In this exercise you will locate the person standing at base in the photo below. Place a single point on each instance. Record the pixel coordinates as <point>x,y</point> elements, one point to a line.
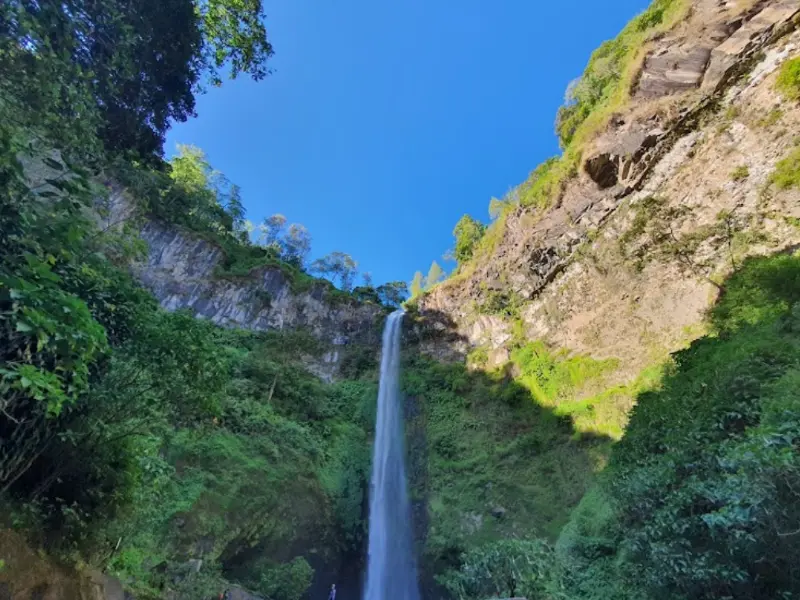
<point>332,595</point>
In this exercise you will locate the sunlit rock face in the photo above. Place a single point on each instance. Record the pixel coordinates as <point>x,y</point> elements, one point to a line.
<point>182,270</point>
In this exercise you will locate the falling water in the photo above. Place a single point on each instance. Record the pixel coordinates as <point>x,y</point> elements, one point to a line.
<point>391,571</point>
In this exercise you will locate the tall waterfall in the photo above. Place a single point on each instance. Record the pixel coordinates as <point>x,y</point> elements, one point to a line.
<point>391,569</point>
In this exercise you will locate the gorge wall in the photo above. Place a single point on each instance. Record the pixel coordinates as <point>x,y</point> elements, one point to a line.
<point>579,302</point>
<point>671,196</point>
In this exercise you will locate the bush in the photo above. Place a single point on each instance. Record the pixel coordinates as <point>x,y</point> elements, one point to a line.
<point>787,171</point>
<point>788,82</point>
<point>287,581</point>
<point>503,569</point>
<point>740,173</point>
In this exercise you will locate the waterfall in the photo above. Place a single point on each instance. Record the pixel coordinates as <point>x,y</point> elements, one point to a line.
<point>391,569</point>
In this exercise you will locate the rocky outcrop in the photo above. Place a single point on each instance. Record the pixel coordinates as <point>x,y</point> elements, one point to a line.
<point>584,274</point>
<point>182,270</point>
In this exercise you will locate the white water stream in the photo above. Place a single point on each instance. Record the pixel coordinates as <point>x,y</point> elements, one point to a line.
<point>391,569</point>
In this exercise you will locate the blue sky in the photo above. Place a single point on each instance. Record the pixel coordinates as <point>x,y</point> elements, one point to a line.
<point>384,122</point>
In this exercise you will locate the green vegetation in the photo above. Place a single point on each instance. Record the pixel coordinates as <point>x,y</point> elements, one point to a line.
<point>135,440</point>
<point>468,232</point>
<point>547,181</point>
<point>740,173</point>
<point>603,89</point>
<point>788,81</point>
<point>417,285</point>
<point>504,303</point>
<point>700,498</point>
<point>158,430</point>
<point>505,569</point>
<point>496,461</point>
<point>772,118</point>
<point>117,73</point>
<point>606,82</point>
<point>434,276</point>
<point>787,171</point>
<point>337,265</point>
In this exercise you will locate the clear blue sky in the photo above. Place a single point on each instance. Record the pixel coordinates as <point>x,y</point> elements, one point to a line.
<point>384,122</point>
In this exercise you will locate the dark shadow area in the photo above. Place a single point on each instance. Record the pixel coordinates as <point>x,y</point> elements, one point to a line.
<point>706,481</point>
<point>486,461</point>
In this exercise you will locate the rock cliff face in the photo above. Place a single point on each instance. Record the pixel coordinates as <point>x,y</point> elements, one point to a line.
<point>672,195</point>
<point>181,270</point>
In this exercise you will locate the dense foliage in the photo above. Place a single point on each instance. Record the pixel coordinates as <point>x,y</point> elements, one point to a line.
<point>137,439</point>
<point>701,498</point>
<point>467,233</point>
<point>121,70</point>
<point>489,461</point>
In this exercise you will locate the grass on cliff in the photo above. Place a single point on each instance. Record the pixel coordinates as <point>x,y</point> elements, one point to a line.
<point>603,89</point>
<point>788,81</point>
<point>787,171</point>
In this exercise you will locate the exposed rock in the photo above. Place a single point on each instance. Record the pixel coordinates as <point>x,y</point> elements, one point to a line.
<point>684,156</point>
<point>180,270</point>
<point>672,70</point>
<point>623,155</point>
<point>753,35</point>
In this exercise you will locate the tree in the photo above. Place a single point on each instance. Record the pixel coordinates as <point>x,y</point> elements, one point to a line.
<point>337,265</point>
<point>498,207</point>
<point>124,70</point>
<point>417,284</point>
<point>367,279</point>
<point>393,293</point>
<point>468,233</point>
<point>199,193</point>
<point>435,275</point>
<point>235,210</point>
<point>505,569</point>
<point>296,245</point>
<point>271,230</point>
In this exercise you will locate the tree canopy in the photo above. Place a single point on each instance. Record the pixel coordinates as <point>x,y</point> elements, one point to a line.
<point>123,70</point>
<point>468,233</point>
<point>339,267</point>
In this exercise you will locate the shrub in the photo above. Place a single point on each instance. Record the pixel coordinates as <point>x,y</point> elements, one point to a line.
<point>468,232</point>
<point>788,82</point>
<point>787,171</point>
<point>740,173</point>
<point>288,581</point>
<point>503,569</point>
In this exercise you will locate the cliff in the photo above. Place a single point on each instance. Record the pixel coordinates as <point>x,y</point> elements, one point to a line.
<point>604,263</point>
<point>670,196</point>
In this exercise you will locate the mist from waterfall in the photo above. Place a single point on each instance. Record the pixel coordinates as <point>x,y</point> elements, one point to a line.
<point>391,568</point>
